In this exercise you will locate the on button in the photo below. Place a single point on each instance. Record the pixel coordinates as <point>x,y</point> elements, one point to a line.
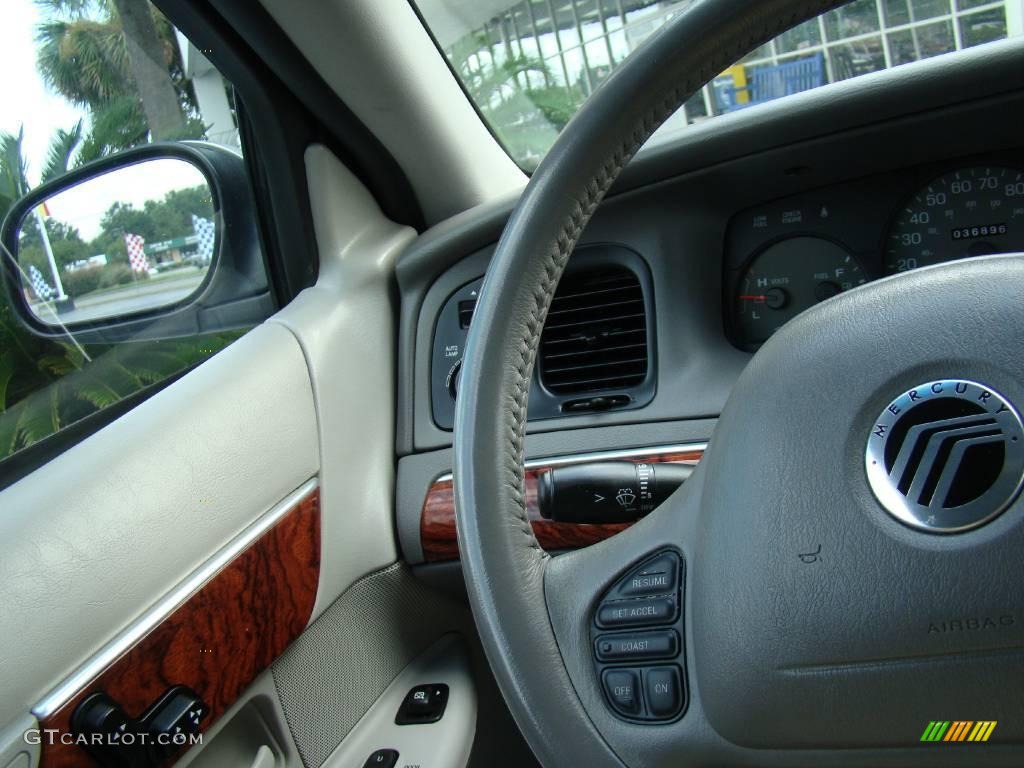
<point>664,693</point>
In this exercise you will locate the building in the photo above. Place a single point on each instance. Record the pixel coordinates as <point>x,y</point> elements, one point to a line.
<point>542,46</point>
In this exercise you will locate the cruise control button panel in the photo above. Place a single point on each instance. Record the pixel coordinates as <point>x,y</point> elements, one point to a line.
<point>637,634</point>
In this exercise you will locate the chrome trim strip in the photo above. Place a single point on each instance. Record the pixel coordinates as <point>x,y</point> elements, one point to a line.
<point>624,453</point>
<point>149,620</point>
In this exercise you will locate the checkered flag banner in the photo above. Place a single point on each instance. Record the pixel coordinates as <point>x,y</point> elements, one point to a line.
<point>41,288</point>
<point>136,255</point>
<point>206,232</point>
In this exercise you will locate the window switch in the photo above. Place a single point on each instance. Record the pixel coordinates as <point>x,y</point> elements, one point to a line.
<point>423,704</point>
<point>382,758</point>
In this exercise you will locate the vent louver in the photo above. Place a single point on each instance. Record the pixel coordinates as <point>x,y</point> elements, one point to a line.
<point>595,336</point>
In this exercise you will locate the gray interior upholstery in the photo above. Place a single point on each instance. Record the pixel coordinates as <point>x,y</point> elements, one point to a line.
<point>338,667</point>
<point>334,672</point>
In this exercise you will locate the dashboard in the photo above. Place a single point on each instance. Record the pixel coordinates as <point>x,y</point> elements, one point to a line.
<point>784,256</point>
<point>729,232</point>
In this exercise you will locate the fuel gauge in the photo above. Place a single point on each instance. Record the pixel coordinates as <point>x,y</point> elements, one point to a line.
<point>785,279</point>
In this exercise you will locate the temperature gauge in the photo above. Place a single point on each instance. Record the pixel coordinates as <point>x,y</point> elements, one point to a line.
<point>787,278</point>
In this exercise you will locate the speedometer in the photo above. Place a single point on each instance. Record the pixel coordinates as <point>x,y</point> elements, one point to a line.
<point>969,212</point>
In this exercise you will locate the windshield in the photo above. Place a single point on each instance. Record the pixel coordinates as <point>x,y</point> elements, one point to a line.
<point>529,65</point>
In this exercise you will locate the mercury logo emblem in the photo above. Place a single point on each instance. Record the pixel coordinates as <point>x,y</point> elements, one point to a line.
<point>946,456</point>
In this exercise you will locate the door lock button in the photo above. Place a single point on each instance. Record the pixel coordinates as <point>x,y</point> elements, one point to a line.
<point>423,704</point>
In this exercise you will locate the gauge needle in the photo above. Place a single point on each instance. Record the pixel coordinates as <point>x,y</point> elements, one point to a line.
<point>754,298</point>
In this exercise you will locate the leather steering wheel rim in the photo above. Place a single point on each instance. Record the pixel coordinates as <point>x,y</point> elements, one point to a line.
<point>501,559</point>
<point>533,633</point>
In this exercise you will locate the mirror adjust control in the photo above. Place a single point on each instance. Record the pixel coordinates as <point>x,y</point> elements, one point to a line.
<point>382,758</point>
<point>623,689</point>
<point>423,704</point>
<point>118,741</point>
<point>102,721</point>
<point>638,646</point>
<point>175,718</point>
<point>663,691</point>
<point>637,613</point>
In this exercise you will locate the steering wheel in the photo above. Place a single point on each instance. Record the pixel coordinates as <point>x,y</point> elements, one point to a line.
<point>825,611</point>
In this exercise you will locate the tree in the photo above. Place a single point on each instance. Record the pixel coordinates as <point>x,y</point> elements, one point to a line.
<point>65,242</point>
<point>13,170</point>
<point>150,70</point>
<point>120,60</point>
<point>62,146</point>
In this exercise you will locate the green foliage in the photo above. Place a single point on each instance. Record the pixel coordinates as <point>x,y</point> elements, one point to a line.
<point>47,384</point>
<point>519,97</point>
<point>81,281</point>
<point>120,274</point>
<point>64,385</point>
<point>58,157</point>
<point>13,170</point>
<point>116,125</point>
<point>83,60</point>
<point>82,54</point>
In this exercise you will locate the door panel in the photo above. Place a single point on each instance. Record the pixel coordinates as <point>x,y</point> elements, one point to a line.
<point>224,634</point>
<point>346,326</point>
<point>202,508</point>
<point>104,531</point>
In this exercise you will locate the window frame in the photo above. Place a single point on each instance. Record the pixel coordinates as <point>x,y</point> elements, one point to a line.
<point>282,107</point>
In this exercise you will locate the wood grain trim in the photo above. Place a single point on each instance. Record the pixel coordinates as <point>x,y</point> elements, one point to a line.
<point>437,518</point>
<point>223,636</point>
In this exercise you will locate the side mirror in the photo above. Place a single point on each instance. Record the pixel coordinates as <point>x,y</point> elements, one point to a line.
<point>155,242</point>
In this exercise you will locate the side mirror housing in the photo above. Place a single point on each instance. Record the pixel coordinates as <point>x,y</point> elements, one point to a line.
<point>160,241</point>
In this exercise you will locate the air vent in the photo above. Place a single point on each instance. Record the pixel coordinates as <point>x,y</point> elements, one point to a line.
<point>595,336</point>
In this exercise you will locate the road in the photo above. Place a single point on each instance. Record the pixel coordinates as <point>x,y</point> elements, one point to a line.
<point>137,297</point>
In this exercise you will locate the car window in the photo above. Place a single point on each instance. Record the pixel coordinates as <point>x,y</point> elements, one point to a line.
<point>83,81</point>
<point>529,64</point>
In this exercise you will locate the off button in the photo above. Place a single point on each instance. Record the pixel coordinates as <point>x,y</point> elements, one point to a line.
<point>623,688</point>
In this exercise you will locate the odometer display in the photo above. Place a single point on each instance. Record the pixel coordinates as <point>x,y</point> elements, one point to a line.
<point>971,212</point>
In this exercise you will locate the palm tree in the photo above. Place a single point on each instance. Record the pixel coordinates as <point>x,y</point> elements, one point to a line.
<point>118,58</point>
<point>13,171</point>
<point>149,67</point>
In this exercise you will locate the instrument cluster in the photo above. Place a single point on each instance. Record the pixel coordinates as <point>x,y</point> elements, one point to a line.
<point>786,256</point>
